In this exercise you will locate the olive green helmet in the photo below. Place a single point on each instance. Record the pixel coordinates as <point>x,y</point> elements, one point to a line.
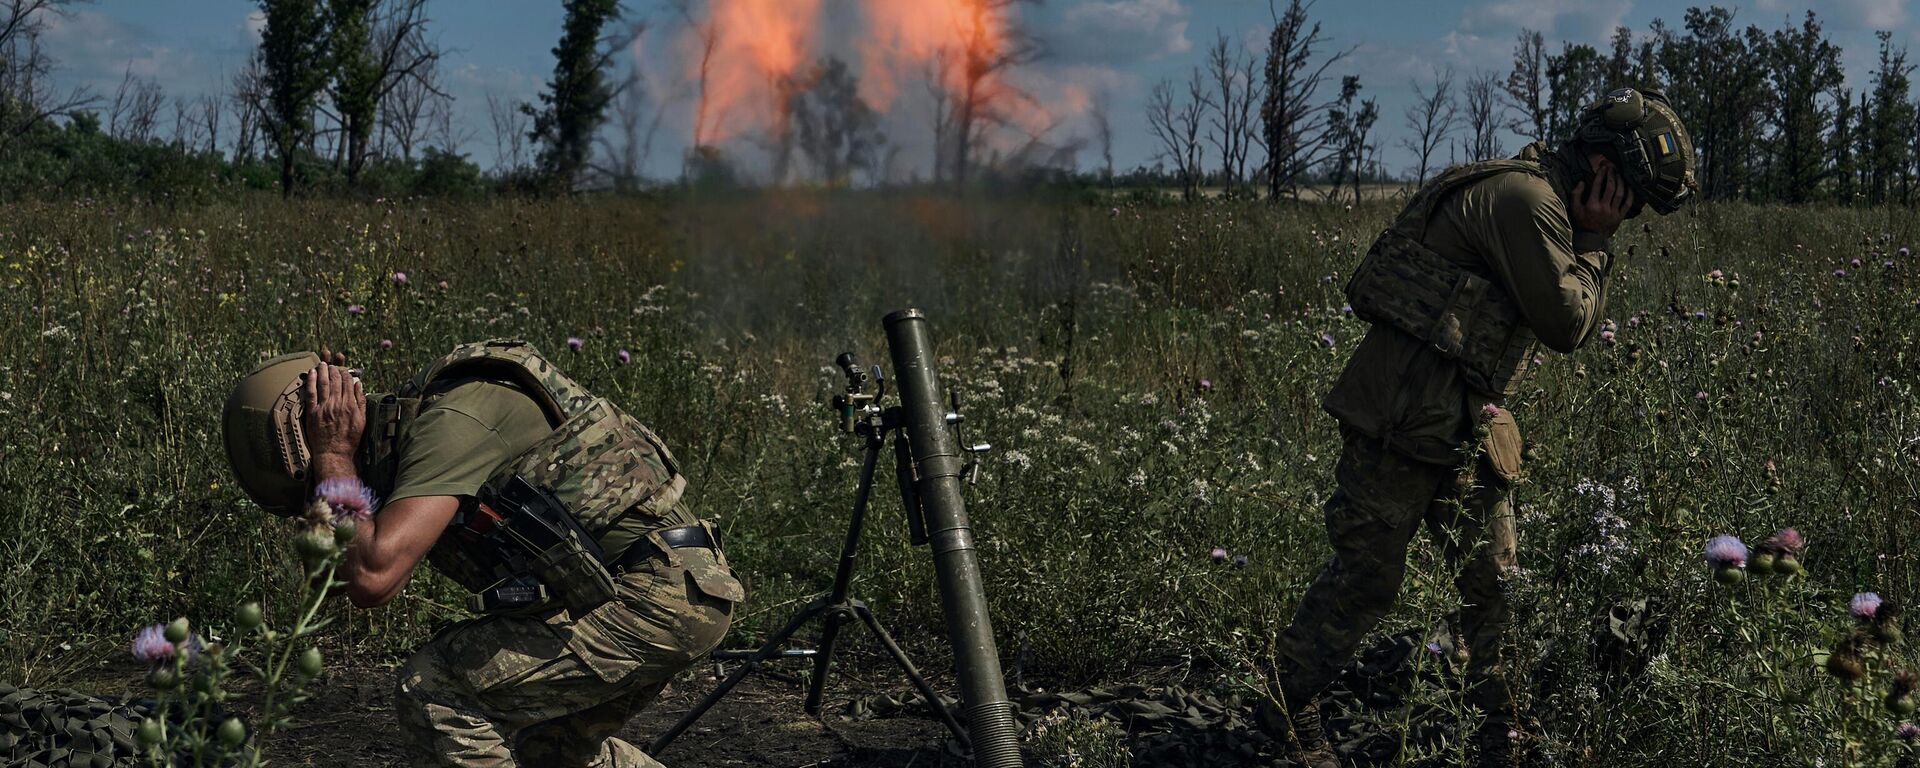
<point>265,445</point>
<point>1655,153</point>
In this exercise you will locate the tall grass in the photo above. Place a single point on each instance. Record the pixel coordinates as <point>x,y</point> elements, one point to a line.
<point>1150,379</point>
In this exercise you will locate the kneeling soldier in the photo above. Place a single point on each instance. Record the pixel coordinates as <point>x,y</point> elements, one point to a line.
<point>1487,261</point>
<point>561,513</point>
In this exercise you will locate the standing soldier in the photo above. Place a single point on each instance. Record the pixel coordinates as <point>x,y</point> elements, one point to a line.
<point>561,513</point>
<point>1486,261</point>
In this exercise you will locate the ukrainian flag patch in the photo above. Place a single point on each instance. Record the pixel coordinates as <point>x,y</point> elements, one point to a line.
<point>1664,144</point>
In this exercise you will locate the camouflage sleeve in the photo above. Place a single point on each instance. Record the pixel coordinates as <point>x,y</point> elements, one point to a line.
<point>1557,276</point>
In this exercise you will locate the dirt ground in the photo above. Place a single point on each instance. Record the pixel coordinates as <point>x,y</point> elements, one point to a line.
<point>760,724</point>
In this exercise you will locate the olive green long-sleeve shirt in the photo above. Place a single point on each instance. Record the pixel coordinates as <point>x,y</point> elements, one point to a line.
<point>1515,228</point>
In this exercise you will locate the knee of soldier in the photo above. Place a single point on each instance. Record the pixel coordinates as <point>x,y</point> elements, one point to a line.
<point>421,681</point>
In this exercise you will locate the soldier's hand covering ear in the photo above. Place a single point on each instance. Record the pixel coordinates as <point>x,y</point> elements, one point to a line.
<point>1599,204</point>
<point>336,410</point>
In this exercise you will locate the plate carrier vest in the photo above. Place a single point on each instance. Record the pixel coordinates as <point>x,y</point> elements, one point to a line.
<point>600,463</point>
<point>1461,310</point>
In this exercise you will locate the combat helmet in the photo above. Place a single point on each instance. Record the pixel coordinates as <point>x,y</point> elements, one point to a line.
<point>264,442</point>
<point>1655,154</point>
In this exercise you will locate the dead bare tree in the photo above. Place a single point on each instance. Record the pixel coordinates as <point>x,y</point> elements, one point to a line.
<point>1484,116</point>
<point>990,44</point>
<point>627,140</point>
<point>135,111</point>
<point>1177,126</point>
<point>407,86</point>
<point>1294,121</point>
<point>1430,119</point>
<point>210,113</point>
<point>27,96</point>
<point>509,133</point>
<point>245,99</point>
<point>1231,128</point>
<point>708,35</point>
<point>186,128</point>
<point>1099,113</point>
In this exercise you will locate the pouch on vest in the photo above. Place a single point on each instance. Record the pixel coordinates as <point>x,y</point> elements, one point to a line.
<point>551,547</point>
<point>1503,445</point>
<point>709,570</point>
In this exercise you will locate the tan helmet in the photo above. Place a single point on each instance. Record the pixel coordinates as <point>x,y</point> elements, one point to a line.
<point>1655,152</point>
<point>264,442</point>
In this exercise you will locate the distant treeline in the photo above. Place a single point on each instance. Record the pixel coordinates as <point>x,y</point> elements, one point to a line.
<point>345,96</point>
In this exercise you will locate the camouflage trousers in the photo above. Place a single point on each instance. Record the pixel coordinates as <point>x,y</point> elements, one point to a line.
<point>553,689</point>
<point>1383,498</point>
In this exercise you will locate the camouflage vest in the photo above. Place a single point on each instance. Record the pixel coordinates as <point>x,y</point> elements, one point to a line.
<point>1460,309</point>
<point>601,463</point>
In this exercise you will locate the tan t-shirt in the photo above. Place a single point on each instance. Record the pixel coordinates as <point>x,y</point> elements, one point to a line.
<point>463,434</point>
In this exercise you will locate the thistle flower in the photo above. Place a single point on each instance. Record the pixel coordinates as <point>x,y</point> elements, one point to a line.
<point>1240,561</point>
<point>1904,252</point>
<point>347,498</point>
<point>1900,695</point>
<point>1728,558</point>
<point>386,343</point>
<point>1606,336</point>
<point>1855,263</point>
<point>1326,340</point>
<point>1839,273</point>
<point>575,343</point>
<point>623,356</point>
<point>1865,606</point>
<point>1907,732</point>
<point>152,646</point>
<point>399,278</point>
<point>355,309</point>
<point>1489,412</point>
<point>1715,275</point>
<point>1219,554</point>
<point>1204,385</point>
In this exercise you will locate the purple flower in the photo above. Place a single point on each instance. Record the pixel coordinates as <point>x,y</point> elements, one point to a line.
<point>1855,263</point>
<point>1907,731</point>
<point>1326,340</point>
<point>1726,552</point>
<point>151,645</point>
<point>1714,274</point>
<point>354,309</point>
<point>575,343</point>
<point>347,497</point>
<point>1888,265</point>
<point>399,278</point>
<point>1864,606</point>
<point>443,285</point>
<point>1699,314</point>
<point>1903,252</point>
<point>1219,554</point>
<point>1787,542</point>
<point>623,356</point>
<point>1606,336</point>
<point>1433,646</point>
<point>1489,412</point>
<point>1205,385</point>
<point>386,343</point>
<point>1700,395</point>
<point>1346,309</point>
<point>1839,273</point>
<point>1240,561</point>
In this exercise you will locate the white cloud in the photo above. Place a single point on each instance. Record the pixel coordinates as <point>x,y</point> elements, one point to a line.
<point>1875,14</point>
<point>1116,31</point>
<point>1577,20</point>
<point>253,26</point>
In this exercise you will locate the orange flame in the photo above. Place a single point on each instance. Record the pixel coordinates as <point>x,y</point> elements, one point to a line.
<point>756,44</point>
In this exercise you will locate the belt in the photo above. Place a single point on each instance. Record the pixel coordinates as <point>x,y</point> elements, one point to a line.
<point>680,537</point>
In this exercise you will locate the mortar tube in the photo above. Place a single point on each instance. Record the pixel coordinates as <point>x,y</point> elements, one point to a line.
<point>991,724</point>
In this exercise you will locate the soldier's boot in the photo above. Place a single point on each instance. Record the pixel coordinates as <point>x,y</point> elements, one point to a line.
<point>1301,731</point>
<point>1493,746</point>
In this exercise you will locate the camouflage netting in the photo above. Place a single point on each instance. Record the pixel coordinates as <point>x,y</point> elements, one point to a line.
<point>68,729</point>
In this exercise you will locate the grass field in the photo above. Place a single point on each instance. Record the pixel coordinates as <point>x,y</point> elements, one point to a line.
<point>1150,379</point>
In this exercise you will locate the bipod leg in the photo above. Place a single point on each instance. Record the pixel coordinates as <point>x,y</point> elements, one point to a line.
<point>913,673</point>
<point>836,601</point>
<point>767,650</point>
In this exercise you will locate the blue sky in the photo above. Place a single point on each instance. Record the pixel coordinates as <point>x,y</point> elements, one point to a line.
<point>1122,47</point>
